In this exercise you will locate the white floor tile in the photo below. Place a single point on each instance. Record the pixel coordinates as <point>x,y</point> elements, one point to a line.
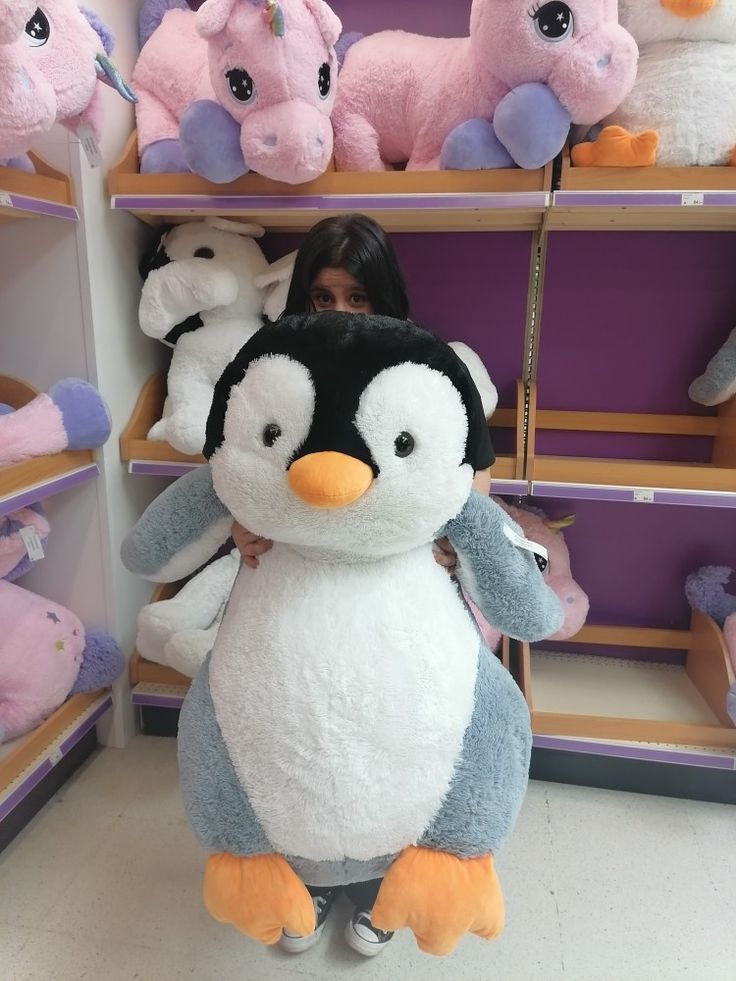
<point>106,884</point>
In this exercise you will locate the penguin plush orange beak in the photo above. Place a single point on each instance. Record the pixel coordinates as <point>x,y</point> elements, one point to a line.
<point>329,480</point>
<point>689,9</point>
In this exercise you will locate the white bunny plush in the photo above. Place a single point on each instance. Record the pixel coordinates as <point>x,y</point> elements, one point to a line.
<point>201,297</point>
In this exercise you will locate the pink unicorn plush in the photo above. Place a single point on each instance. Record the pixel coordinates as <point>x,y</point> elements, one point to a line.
<point>240,85</point>
<point>544,531</point>
<point>51,60</point>
<point>45,656</point>
<point>504,96</point>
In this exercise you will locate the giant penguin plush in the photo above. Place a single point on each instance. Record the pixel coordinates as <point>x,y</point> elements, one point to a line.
<point>349,724</point>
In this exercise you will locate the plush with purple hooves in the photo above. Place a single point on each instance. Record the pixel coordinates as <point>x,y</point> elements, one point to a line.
<point>705,591</point>
<point>529,129</point>
<point>557,575</point>
<point>45,656</point>
<point>270,67</point>
<point>210,142</point>
<point>164,157</point>
<point>71,416</point>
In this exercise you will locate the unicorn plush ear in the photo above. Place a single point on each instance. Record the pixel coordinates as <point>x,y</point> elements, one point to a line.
<point>329,23</point>
<point>213,15</point>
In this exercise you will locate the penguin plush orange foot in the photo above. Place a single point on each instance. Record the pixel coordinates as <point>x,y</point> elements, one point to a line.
<point>440,897</point>
<point>259,894</point>
<point>616,147</point>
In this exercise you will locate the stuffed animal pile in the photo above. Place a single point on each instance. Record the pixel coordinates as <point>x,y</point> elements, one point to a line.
<point>253,85</point>
<point>348,656</point>
<point>53,58</point>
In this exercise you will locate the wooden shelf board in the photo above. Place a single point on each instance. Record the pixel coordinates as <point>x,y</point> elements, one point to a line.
<point>427,201</point>
<point>40,478</point>
<point>644,199</point>
<point>671,483</point>
<point>635,699</point>
<point>159,695</point>
<point>48,193</point>
<point>26,760</point>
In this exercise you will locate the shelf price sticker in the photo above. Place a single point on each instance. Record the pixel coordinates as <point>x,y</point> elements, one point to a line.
<point>56,756</point>
<point>693,199</point>
<point>643,495</point>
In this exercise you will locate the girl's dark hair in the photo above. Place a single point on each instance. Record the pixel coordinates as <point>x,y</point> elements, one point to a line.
<point>359,245</point>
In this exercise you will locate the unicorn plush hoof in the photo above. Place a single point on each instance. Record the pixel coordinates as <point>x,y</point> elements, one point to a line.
<point>474,146</point>
<point>210,142</point>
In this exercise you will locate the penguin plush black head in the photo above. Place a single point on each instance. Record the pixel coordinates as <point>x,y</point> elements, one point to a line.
<point>332,429</point>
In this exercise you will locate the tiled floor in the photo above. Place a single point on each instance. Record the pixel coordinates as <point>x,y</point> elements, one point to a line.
<point>106,884</point>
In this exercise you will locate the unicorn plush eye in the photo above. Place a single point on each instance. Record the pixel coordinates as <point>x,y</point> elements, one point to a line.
<point>241,85</point>
<point>324,82</point>
<point>553,21</point>
<point>37,30</point>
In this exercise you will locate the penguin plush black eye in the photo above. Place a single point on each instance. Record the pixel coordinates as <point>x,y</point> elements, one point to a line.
<point>270,434</point>
<point>542,563</point>
<point>554,21</point>
<point>204,253</point>
<point>404,444</point>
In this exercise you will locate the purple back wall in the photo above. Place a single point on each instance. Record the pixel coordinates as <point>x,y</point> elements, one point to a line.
<point>468,287</point>
<point>633,319</point>
<point>447,19</point>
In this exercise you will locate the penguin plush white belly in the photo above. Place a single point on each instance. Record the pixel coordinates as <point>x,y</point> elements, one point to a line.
<point>343,693</point>
<point>684,91</point>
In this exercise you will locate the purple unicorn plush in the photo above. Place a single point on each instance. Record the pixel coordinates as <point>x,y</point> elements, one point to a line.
<point>51,59</point>
<point>240,85</point>
<point>505,95</point>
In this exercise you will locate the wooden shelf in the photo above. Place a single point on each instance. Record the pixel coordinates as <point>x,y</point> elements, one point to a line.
<point>439,201</point>
<point>643,199</point>
<point>145,456</point>
<point>156,458</point>
<point>594,697</point>
<point>25,761</point>
<point>34,480</point>
<point>705,484</point>
<point>47,193</point>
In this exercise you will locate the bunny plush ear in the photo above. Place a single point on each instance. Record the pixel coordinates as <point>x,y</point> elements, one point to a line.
<point>236,227</point>
<point>329,23</point>
<point>278,272</point>
<point>213,15</point>
<point>14,15</point>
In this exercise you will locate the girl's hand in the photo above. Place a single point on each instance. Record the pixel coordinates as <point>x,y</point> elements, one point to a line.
<point>444,554</point>
<point>249,545</point>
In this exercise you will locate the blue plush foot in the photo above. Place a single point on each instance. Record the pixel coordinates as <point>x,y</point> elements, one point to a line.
<point>531,124</point>
<point>210,141</point>
<point>86,416</point>
<point>23,162</point>
<point>102,663</point>
<point>164,157</point>
<point>473,145</point>
<point>718,383</point>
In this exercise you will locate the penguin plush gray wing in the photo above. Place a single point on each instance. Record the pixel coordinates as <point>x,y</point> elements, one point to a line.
<point>179,531</point>
<point>503,580</point>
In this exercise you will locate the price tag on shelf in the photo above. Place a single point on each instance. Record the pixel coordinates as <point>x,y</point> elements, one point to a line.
<point>693,199</point>
<point>5,200</point>
<point>56,756</point>
<point>643,496</point>
<point>33,544</point>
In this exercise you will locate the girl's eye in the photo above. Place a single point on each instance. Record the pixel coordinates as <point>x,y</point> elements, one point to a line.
<point>322,299</point>
<point>358,299</point>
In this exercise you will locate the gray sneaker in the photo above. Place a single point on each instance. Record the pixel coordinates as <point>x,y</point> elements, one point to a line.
<point>323,903</point>
<point>363,937</point>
